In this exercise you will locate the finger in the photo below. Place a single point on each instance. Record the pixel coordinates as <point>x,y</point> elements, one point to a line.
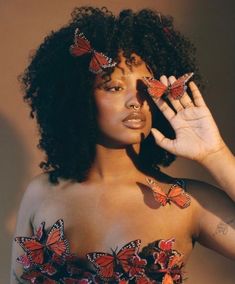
<point>197,96</point>
<point>162,140</point>
<point>162,105</point>
<point>164,108</point>
<point>164,80</point>
<point>186,101</point>
<point>175,103</point>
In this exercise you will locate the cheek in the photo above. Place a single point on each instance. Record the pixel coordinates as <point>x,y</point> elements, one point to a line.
<point>108,114</point>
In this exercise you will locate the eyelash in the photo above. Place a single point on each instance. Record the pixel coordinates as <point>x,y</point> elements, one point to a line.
<point>114,87</point>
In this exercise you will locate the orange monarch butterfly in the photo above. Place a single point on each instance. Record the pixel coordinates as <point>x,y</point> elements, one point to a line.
<point>54,241</point>
<point>176,90</point>
<point>106,263</point>
<point>166,249</point>
<point>176,194</point>
<point>82,46</point>
<point>173,270</point>
<point>76,281</point>
<point>34,276</point>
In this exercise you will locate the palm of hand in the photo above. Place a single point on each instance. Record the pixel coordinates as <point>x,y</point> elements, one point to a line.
<point>197,135</point>
<point>196,132</point>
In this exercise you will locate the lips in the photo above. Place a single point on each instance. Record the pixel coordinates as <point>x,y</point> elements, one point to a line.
<point>135,120</point>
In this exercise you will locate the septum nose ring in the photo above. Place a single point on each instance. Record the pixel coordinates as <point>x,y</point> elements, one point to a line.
<point>135,107</point>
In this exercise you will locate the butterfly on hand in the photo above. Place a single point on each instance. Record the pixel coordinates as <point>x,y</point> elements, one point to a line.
<point>106,263</point>
<point>36,246</point>
<point>176,194</point>
<point>82,46</point>
<point>176,90</point>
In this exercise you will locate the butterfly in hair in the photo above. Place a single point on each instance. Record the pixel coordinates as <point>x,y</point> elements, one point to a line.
<point>82,46</point>
<point>37,246</point>
<point>176,90</point>
<point>126,258</point>
<point>176,195</point>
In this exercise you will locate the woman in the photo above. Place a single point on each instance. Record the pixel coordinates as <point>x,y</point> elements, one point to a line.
<point>106,124</point>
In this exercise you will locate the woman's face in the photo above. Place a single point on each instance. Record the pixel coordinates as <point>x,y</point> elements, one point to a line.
<point>123,114</point>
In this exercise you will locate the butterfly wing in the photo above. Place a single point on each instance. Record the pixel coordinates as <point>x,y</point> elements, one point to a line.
<point>143,279</point>
<point>24,260</point>
<point>158,193</point>
<point>178,196</point>
<point>31,275</point>
<point>81,44</point>
<point>178,88</point>
<point>104,264</point>
<point>40,231</point>
<point>167,279</point>
<point>48,268</point>
<point>174,268</point>
<point>100,61</point>
<point>155,87</point>
<point>137,266</point>
<point>37,277</point>
<point>32,247</point>
<point>76,281</point>
<point>161,258</point>
<point>175,261</point>
<point>55,239</point>
<point>49,281</point>
<point>166,245</point>
<point>127,253</point>
<point>122,281</point>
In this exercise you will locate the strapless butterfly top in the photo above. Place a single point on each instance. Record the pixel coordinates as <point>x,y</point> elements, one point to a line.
<point>47,258</point>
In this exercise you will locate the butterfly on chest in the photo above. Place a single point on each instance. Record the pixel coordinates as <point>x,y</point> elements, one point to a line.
<point>176,194</point>
<point>126,260</point>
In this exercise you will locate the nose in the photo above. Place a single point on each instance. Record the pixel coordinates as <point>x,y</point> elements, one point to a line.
<point>135,95</point>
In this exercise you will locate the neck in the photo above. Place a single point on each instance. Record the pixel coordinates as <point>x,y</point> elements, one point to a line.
<point>111,164</point>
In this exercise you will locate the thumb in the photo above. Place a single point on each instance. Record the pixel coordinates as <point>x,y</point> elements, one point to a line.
<point>162,140</point>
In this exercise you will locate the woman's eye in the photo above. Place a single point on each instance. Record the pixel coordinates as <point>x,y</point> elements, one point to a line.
<point>113,89</point>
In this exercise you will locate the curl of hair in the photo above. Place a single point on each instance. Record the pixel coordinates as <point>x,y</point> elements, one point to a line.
<point>58,87</point>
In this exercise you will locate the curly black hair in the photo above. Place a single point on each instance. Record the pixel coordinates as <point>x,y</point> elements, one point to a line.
<point>58,87</point>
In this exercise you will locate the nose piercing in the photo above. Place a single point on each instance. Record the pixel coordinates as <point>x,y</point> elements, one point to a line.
<point>135,107</point>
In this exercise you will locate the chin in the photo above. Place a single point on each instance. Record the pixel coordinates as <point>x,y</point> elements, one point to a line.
<point>123,137</point>
<point>132,137</point>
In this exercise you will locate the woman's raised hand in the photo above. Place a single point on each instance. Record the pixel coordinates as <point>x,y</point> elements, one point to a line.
<point>197,135</point>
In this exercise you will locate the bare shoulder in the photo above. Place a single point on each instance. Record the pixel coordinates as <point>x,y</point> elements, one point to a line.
<point>208,197</point>
<point>209,200</point>
<point>36,190</point>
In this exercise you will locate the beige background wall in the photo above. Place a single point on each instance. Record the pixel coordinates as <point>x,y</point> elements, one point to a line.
<point>24,23</point>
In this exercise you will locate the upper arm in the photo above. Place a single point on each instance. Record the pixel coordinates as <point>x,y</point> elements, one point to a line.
<point>215,217</point>
<point>24,228</point>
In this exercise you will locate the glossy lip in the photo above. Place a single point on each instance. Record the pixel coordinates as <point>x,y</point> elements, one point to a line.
<point>135,120</point>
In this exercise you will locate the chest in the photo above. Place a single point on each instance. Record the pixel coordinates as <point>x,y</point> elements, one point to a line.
<point>101,220</point>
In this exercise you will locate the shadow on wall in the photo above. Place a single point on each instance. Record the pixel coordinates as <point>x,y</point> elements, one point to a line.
<point>13,157</point>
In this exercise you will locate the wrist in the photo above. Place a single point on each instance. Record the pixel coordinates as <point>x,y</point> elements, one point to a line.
<point>217,156</point>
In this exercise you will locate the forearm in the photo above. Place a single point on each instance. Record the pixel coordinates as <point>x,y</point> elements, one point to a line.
<point>221,165</point>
